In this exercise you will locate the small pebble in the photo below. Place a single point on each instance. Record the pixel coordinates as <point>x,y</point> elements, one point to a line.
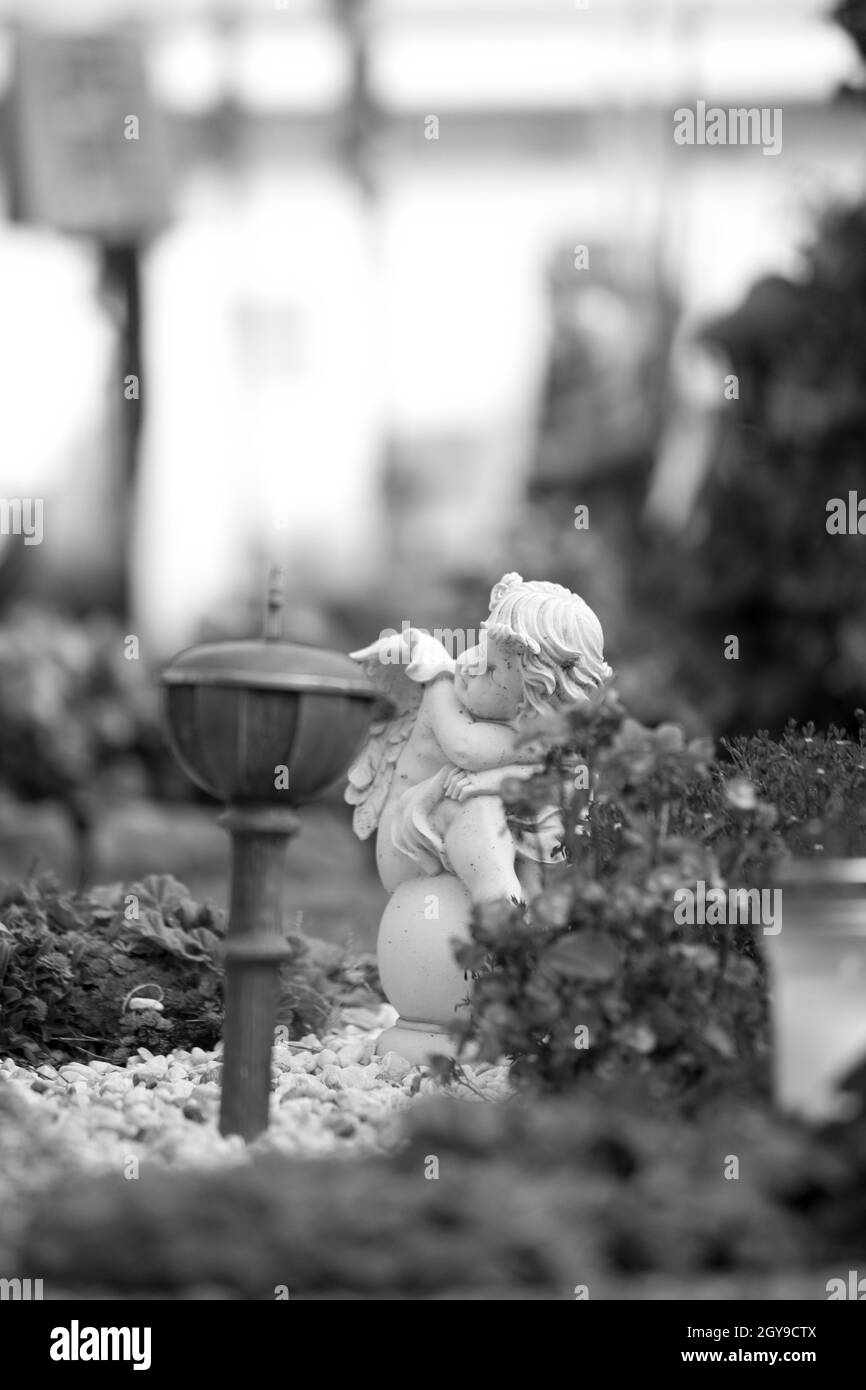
<point>178,1090</point>
<point>117,1083</point>
<point>343,1126</point>
<point>361,1078</point>
<point>395,1067</point>
<point>72,1072</point>
<point>304,1086</point>
<point>206,1090</point>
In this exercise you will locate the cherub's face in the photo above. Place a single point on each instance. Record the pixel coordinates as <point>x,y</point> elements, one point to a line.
<point>488,681</point>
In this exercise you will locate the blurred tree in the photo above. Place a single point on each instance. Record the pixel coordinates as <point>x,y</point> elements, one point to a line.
<point>121,284</point>
<point>851,15</point>
<point>759,562</point>
<point>756,560</point>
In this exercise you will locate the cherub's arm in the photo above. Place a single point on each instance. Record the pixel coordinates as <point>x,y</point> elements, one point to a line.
<point>460,785</point>
<point>468,743</point>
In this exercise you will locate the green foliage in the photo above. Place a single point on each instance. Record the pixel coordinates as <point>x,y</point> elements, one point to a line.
<point>79,723</point>
<point>71,705</point>
<point>598,979</point>
<point>815,780</point>
<point>73,966</point>
<point>69,964</point>
<point>531,1200</point>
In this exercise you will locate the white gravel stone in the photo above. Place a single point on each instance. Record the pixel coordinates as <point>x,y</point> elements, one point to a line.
<point>206,1090</point>
<point>394,1067</point>
<point>304,1086</point>
<point>117,1083</point>
<point>331,1095</point>
<point>74,1071</point>
<point>179,1090</point>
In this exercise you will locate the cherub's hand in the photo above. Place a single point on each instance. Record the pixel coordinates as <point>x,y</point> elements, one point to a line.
<point>429,659</point>
<point>460,785</point>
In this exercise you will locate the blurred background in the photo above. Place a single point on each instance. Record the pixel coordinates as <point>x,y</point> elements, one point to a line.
<point>383,290</point>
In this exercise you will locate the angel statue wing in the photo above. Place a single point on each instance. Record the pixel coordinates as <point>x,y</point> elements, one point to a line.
<point>398,665</point>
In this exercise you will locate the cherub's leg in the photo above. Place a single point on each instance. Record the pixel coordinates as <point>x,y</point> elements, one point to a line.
<point>480,847</point>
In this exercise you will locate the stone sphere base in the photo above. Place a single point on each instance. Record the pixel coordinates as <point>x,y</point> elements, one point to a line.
<point>419,974</point>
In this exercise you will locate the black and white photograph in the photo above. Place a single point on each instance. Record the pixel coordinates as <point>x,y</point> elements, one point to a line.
<point>432,672</point>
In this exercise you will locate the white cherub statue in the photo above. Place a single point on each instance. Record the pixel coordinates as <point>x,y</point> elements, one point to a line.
<point>429,777</point>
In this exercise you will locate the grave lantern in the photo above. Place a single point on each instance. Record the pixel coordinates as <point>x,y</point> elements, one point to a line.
<point>263,726</point>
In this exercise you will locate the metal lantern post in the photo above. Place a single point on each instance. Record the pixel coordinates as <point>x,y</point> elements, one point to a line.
<point>255,949</point>
<point>264,726</point>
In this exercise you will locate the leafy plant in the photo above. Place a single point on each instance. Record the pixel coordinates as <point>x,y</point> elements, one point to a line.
<point>76,971</point>
<point>598,978</point>
<point>815,780</point>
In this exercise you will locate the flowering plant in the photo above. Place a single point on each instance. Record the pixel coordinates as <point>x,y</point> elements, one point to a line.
<point>599,978</point>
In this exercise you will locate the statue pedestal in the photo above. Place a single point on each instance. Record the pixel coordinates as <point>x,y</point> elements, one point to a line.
<point>417,967</point>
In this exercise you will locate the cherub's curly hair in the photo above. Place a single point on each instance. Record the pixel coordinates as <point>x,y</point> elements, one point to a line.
<point>558,636</point>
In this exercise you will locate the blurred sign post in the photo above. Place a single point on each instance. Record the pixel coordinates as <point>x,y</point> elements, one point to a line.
<point>89,158</point>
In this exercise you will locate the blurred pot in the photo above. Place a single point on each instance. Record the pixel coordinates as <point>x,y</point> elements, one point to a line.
<point>817,965</point>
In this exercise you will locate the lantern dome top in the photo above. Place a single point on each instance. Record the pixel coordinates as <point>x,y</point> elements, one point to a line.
<point>269,665</point>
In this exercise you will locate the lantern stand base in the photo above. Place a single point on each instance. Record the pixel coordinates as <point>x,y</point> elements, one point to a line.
<point>255,948</point>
